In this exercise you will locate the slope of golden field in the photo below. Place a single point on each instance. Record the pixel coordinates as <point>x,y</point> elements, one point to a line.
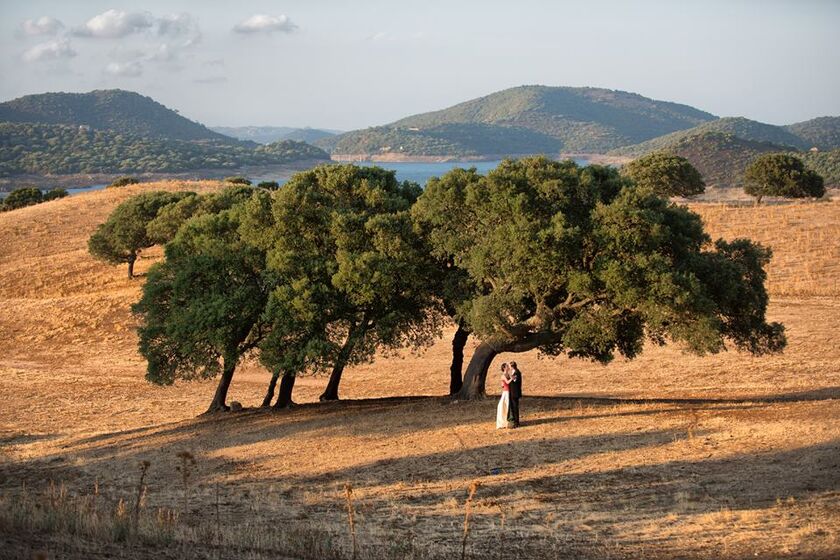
<point>667,455</point>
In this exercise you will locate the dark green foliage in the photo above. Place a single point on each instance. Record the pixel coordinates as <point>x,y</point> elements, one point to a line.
<point>26,196</point>
<point>822,132</point>
<point>200,309</point>
<point>171,217</point>
<point>61,149</point>
<point>124,181</point>
<point>825,164</point>
<point>576,260</point>
<point>123,235</point>
<point>269,134</point>
<point>355,274</point>
<point>743,129</point>
<point>114,109</point>
<point>782,175</point>
<point>269,185</point>
<point>238,180</point>
<point>665,175</point>
<point>526,119</point>
<point>55,194</point>
<point>291,150</point>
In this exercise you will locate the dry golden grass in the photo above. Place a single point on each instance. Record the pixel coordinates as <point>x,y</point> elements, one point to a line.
<point>665,456</point>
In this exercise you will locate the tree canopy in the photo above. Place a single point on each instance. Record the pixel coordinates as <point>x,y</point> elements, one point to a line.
<point>578,260</point>
<point>123,235</point>
<point>665,174</point>
<point>781,175</point>
<point>201,307</point>
<point>355,274</point>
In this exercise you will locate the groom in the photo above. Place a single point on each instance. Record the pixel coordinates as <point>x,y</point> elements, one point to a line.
<point>515,395</point>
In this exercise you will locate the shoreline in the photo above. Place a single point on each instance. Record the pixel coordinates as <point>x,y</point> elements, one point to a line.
<point>78,180</point>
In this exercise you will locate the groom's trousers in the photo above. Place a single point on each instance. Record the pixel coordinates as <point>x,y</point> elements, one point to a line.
<point>513,412</point>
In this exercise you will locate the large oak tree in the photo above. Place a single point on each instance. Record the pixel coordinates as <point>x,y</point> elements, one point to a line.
<point>578,260</point>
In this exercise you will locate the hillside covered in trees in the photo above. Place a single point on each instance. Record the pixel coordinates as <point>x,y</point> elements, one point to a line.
<point>526,119</point>
<point>116,131</point>
<point>269,134</point>
<point>113,109</point>
<point>722,149</point>
<point>27,148</point>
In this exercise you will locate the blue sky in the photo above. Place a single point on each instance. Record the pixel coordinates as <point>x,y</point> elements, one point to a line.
<point>342,64</point>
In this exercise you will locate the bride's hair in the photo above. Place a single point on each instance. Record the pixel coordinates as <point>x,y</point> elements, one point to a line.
<point>503,367</point>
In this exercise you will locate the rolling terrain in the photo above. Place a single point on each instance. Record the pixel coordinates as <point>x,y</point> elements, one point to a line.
<point>269,134</point>
<point>669,455</point>
<point>117,132</point>
<point>525,119</point>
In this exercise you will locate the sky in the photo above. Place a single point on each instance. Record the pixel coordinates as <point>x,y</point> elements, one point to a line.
<point>353,64</point>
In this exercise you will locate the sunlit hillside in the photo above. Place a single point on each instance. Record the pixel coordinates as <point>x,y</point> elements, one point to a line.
<point>665,456</point>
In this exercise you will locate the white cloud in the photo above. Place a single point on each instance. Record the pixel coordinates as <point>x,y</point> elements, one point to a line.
<point>44,25</point>
<point>114,24</point>
<point>51,50</point>
<point>129,69</point>
<point>261,23</point>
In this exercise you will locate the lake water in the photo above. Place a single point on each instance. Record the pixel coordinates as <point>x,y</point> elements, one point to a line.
<point>419,172</point>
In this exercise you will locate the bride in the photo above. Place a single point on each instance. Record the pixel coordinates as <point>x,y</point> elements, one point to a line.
<point>504,401</point>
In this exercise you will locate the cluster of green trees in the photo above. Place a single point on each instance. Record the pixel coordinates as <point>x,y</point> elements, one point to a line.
<point>345,261</point>
<point>27,196</point>
<point>782,175</point>
<point>61,149</point>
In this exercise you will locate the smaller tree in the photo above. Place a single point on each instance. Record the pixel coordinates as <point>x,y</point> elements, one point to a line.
<point>55,194</point>
<point>19,198</point>
<point>238,180</point>
<point>665,174</point>
<point>123,182</point>
<point>123,235</point>
<point>269,185</point>
<point>781,175</point>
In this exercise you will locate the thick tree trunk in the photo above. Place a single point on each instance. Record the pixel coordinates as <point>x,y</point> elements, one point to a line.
<point>218,404</point>
<point>131,260</point>
<point>284,399</point>
<point>475,378</point>
<point>269,394</point>
<point>331,392</point>
<point>456,369</point>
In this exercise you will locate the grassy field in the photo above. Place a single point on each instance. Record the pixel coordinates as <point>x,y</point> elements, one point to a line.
<point>669,455</point>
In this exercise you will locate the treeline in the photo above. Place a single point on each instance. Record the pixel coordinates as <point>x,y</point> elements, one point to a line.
<point>346,261</point>
<point>61,149</point>
<point>29,196</point>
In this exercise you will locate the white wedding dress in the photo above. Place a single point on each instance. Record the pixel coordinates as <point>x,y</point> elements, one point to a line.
<point>502,408</point>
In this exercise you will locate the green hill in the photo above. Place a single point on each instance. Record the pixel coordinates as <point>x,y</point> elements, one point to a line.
<point>53,149</point>
<point>268,134</point>
<point>822,132</point>
<point>555,118</point>
<point>740,127</point>
<point>123,111</point>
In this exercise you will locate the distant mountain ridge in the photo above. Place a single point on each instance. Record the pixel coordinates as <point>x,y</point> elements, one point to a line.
<point>125,112</point>
<point>822,132</point>
<point>556,118</point>
<point>741,127</point>
<point>269,134</point>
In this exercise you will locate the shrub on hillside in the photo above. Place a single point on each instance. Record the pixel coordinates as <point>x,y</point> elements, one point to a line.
<point>55,194</point>
<point>238,180</point>
<point>26,196</point>
<point>124,181</point>
<point>269,185</point>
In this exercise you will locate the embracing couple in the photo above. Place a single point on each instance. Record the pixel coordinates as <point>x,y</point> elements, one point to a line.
<point>507,412</point>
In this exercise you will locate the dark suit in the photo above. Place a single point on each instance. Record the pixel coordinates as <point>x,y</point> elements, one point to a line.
<point>515,388</point>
